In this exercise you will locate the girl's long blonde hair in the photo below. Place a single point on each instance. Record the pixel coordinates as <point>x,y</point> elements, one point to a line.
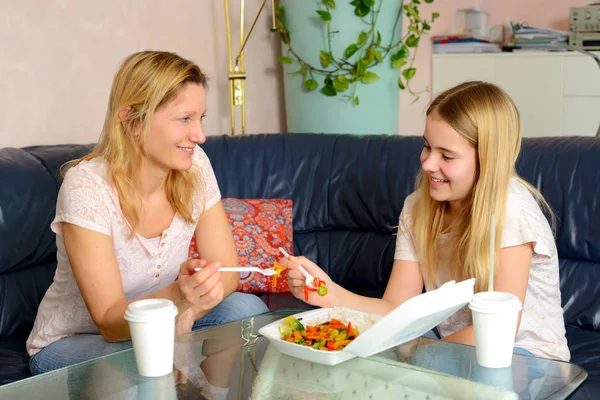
<point>486,117</point>
<point>145,81</point>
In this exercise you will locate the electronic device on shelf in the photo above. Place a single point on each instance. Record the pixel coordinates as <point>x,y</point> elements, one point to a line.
<point>589,41</point>
<point>584,24</point>
<point>585,18</point>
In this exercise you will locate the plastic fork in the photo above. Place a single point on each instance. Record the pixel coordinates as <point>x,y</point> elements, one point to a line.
<point>310,280</point>
<point>266,271</point>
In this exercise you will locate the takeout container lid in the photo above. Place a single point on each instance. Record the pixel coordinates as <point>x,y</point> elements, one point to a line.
<point>408,321</point>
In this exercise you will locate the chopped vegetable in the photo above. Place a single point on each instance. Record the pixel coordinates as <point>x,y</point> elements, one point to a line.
<point>278,268</point>
<point>308,289</point>
<point>294,323</point>
<point>332,335</point>
<point>319,286</point>
<point>285,329</point>
<point>322,290</point>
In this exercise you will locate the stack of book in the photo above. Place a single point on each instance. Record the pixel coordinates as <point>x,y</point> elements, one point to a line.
<point>527,38</point>
<point>463,43</point>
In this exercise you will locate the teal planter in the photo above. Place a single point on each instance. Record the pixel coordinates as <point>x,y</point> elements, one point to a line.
<point>313,112</point>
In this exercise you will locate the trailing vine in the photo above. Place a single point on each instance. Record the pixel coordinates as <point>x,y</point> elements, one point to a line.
<point>341,74</point>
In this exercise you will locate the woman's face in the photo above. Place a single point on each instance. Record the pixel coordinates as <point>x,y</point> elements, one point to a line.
<point>176,129</point>
<point>449,162</point>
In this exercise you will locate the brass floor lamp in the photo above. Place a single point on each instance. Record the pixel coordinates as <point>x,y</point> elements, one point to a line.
<point>237,73</point>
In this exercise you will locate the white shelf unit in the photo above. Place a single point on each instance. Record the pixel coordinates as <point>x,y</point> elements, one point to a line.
<point>557,94</point>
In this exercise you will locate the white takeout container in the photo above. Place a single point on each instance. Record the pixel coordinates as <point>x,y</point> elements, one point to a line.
<point>410,320</point>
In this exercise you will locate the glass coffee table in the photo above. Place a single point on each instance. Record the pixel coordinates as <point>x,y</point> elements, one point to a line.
<point>237,357</point>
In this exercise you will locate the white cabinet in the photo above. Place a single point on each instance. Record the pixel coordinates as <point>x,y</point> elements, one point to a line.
<point>450,70</point>
<point>557,94</point>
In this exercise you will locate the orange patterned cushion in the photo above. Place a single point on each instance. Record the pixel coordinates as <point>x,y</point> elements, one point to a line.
<point>260,227</point>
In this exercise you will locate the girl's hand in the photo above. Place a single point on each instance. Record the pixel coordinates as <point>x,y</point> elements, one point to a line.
<point>203,289</point>
<point>297,282</point>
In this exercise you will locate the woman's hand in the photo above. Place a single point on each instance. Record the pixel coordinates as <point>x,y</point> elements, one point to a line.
<point>297,282</point>
<point>202,289</point>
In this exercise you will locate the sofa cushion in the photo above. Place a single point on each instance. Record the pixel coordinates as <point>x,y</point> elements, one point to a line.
<point>54,157</point>
<point>580,289</point>
<point>259,227</point>
<point>30,180</point>
<point>585,352</point>
<point>565,170</point>
<point>27,246</point>
<point>14,360</point>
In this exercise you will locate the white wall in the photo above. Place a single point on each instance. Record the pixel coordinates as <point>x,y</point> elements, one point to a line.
<point>58,58</point>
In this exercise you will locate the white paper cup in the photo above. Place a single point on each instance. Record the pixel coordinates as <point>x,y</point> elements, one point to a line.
<point>495,317</point>
<point>152,327</point>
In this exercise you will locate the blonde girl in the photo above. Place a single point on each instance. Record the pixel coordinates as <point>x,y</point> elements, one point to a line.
<point>471,142</point>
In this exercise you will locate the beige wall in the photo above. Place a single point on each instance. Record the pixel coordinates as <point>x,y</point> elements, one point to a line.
<point>58,58</point>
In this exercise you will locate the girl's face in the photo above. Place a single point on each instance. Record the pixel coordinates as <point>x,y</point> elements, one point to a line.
<point>177,127</point>
<point>448,161</point>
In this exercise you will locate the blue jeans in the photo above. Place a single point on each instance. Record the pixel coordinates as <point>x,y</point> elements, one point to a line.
<point>78,348</point>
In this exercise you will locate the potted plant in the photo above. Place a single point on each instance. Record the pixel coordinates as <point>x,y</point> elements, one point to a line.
<point>345,62</point>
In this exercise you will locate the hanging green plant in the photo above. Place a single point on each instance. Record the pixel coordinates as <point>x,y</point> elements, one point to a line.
<point>340,74</point>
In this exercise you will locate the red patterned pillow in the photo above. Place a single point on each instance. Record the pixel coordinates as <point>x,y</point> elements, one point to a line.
<point>260,227</point>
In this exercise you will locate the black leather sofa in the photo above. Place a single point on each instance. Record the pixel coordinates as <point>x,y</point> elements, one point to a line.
<point>348,192</point>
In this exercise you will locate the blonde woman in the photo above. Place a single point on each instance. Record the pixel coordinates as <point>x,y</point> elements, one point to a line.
<point>471,142</point>
<point>125,216</point>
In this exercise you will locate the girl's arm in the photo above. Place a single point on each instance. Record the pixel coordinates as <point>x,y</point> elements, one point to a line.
<point>511,277</point>
<point>405,282</point>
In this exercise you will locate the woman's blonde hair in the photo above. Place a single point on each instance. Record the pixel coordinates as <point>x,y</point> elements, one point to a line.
<point>145,81</point>
<point>487,119</point>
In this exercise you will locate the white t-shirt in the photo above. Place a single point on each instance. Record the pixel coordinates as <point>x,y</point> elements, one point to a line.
<point>542,329</point>
<point>87,199</point>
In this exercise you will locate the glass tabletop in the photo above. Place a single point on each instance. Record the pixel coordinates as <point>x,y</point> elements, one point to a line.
<point>233,361</point>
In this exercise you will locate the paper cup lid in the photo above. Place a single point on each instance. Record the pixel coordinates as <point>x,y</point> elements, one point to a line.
<point>495,303</point>
<point>150,310</point>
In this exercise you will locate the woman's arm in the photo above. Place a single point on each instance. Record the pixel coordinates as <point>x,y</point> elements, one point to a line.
<point>96,271</point>
<point>511,277</point>
<point>214,241</point>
